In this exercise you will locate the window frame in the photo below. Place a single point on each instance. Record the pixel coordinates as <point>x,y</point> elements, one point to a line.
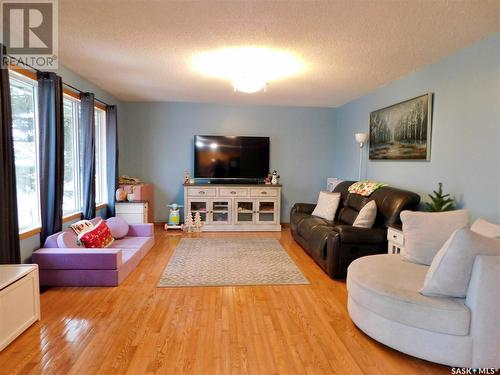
<point>35,226</point>
<point>100,157</point>
<point>75,107</point>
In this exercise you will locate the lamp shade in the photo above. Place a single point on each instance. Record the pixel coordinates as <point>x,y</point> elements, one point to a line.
<point>361,137</point>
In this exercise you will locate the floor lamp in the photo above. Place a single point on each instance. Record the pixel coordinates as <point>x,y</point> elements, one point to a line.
<point>361,138</point>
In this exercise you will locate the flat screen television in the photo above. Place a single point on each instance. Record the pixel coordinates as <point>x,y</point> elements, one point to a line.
<point>228,157</point>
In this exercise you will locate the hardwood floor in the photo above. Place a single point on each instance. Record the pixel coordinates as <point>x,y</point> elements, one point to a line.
<point>137,328</point>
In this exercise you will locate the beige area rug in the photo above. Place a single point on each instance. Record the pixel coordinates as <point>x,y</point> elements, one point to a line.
<point>230,261</point>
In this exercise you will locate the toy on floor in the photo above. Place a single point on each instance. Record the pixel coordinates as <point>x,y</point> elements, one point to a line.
<point>193,223</point>
<point>174,217</point>
<point>188,224</point>
<point>198,224</point>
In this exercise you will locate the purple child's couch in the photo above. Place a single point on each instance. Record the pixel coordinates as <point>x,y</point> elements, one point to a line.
<point>62,263</point>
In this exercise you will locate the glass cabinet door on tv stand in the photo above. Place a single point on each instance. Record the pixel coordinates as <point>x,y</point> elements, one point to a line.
<point>266,211</point>
<point>245,211</point>
<point>220,211</point>
<point>201,206</point>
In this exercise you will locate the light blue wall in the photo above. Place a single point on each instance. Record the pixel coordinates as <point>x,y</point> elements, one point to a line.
<point>465,152</point>
<point>75,80</point>
<point>31,244</point>
<point>156,144</point>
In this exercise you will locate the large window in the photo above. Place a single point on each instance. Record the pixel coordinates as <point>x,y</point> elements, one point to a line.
<point>100,156</point>
<point>23,93</point>
<point>72,168</point>
<point>71,199</point>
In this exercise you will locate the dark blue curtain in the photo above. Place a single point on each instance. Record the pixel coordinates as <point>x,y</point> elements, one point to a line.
<point>51,125</point>
<point>111,157</point>
<point>9,227</point>
<point>87,143</point>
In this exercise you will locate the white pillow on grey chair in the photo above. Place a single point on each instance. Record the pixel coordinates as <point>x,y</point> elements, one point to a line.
<point>485,228</point>
<point>327,205</point>
<point>426,232</point>
<point>366,216</point>
<point>450,272</point>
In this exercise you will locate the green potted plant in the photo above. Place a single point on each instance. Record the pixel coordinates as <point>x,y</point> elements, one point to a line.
<point>440,202</point>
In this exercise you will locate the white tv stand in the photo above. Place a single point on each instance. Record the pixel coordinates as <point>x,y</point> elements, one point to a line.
<point>245,207</point>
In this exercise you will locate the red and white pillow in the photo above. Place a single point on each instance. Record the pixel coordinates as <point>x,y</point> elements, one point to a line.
<point>97,237</point>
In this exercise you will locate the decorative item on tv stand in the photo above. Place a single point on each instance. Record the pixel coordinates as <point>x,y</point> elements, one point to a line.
<point>187,177</point>
<point>274,178</point>
<point>174,217</point>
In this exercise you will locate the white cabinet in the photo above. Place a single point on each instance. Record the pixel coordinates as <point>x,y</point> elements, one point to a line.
<point>235,208</point>
<point>19,300</point>
<point>395,240</point>
<point>132,212</point>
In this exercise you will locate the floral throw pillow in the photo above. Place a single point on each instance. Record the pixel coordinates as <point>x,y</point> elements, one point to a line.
<point>98,237</point>
<point>81,226</point>
<point>365,188</point>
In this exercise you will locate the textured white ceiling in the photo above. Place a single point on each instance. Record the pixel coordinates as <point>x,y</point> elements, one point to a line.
<point>141,50</point>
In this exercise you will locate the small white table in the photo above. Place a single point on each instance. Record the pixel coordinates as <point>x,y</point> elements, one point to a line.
<point>396,240</point>
<point>19,300</point>
<point>135,212</point>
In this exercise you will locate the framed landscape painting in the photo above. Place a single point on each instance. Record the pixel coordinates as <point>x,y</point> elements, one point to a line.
<point>402,131</point>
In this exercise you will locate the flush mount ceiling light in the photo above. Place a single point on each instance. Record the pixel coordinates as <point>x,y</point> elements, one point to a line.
<point>249,69</point>
<point>249,84</point>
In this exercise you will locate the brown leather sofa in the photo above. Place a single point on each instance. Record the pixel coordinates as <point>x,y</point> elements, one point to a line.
<point>335,244</point>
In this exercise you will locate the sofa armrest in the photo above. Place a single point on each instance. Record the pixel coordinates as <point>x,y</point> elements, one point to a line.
<point>350,234</point>
<point>140,230</point>
<point>483,299</point>
<point>78,258</point>
<point>306,208</point>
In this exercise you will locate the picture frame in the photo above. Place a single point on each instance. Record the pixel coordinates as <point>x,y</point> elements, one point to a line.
<point>402,131</point>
